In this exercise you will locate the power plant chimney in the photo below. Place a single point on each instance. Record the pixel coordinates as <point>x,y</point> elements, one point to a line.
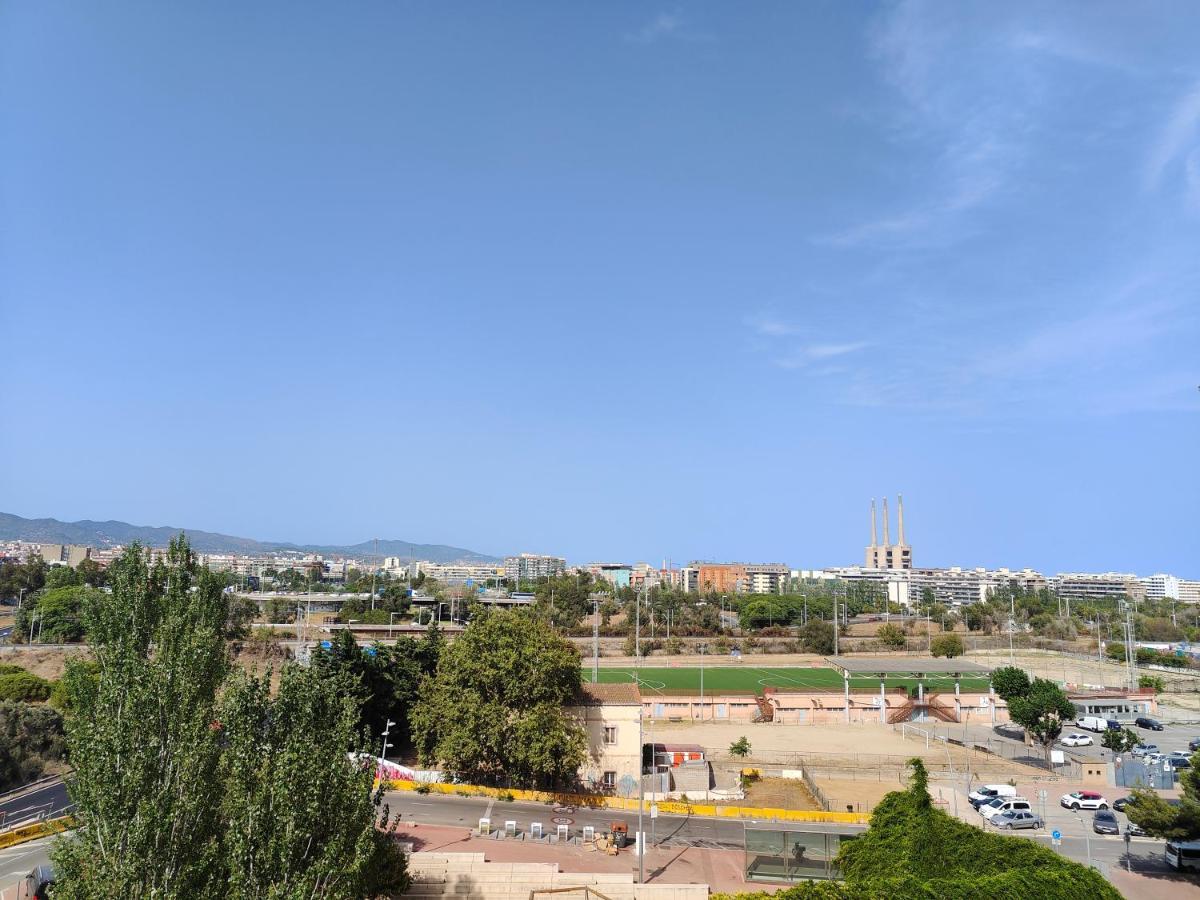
<point>874,519</point>
<point>900,515</point>
<point>887,541</point>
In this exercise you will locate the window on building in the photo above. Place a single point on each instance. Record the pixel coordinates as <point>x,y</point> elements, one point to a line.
<point>610,780</point>
<point>610,734</point>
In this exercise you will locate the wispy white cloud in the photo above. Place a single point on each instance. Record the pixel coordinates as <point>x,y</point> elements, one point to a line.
<point>968,130</point>
<point>804,356</point>
<point>1178,145</point>
<point>662,26</point>
<point>768,326</point>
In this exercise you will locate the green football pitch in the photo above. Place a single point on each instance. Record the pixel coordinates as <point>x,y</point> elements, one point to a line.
<point>745,679</point>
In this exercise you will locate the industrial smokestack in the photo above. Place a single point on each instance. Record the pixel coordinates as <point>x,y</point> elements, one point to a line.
<point>900,515</point>
<point>874,519</point>
<point>887,541</point>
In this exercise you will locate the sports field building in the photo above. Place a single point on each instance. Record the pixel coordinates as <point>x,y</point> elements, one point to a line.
<point>885,690</point>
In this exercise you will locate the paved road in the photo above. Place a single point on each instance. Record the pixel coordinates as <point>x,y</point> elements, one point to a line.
<point>50,799</point>
<point>17,862</point>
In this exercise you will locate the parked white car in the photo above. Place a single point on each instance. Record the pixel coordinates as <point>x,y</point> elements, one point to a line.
<point>999,807</point>
<point>1083,800</point>
<point>1075,739</point>
<point>987,792</point>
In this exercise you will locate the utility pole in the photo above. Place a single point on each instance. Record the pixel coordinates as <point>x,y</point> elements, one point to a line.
<point>641,844</point>
<point>374,569</point>
<point>595,640</point>
<point>835,626</point>
<point>637,644</point>
<point>1012,626</point>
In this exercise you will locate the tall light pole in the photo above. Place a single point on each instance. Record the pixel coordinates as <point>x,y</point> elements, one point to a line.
<point>595,639</point>
<point>387,729</point>
<point>1012,625</point>
<point>702,648</point>
<point>641,841</point>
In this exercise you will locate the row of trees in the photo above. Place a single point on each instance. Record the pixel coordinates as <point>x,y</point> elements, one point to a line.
<point>195,780</point>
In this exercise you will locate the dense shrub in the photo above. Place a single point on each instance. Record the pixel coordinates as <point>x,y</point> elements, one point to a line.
<point>30,737</point>
<point>24,686</point>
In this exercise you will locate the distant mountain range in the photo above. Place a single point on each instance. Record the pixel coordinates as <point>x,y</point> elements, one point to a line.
<point>108,534</point>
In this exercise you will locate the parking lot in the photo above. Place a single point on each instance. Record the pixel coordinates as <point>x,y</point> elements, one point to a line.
<point>1077,840</point>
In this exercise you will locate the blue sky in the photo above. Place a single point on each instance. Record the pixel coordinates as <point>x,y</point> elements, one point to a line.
<point>613,281</point>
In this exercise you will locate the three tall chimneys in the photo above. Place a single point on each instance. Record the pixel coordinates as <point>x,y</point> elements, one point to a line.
<point>887,540</point>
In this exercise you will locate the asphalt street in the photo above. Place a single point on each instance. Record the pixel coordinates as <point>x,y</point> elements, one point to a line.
<point>18,862</point>
<point>50,799</point>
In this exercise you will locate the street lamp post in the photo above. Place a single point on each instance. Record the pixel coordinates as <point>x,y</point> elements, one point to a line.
<point>391,619</point>
<point>641,842</point>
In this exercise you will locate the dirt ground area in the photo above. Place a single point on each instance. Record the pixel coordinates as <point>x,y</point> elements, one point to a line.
<point>848,795</point>
<point>48,664</point>
<point>768,739</point>
<point>785,793</point>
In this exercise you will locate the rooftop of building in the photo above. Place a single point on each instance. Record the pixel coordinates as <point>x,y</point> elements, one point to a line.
<point>623,694</point>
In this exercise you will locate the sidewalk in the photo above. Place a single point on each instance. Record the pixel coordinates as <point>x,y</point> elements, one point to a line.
<point>721,870</point>
<point>1154,887</point>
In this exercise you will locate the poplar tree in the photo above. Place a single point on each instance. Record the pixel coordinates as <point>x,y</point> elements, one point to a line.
<point>192,782</point>
<point>141,734</point>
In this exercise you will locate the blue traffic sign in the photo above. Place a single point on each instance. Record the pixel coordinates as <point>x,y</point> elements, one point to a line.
<point>1056,834</point>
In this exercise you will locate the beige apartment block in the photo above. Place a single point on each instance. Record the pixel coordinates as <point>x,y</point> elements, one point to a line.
<point>611,713</point>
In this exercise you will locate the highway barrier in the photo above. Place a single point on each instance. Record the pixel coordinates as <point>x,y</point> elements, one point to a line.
<point>32,832</point>
<point>665,807</point>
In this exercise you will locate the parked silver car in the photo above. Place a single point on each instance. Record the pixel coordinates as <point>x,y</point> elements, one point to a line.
<point>1017,818</point>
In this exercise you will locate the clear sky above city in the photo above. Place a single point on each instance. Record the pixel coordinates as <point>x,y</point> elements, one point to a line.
<point>609,280</point>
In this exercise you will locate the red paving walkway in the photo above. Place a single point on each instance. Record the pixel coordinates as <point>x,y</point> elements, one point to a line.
<point>719,869</point>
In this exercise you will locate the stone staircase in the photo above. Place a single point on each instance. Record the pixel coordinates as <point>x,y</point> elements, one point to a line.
<point>468,876</point>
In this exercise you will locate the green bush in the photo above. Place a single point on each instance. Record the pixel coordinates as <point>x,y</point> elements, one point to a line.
<point>24,686</point>
<point>10,669</point>
<point>505,797</point>
<point>948,645</point>
<point>422,788</point>
<point>30,738</point>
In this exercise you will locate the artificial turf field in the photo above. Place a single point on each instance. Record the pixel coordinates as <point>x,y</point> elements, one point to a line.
<point>749,679</point>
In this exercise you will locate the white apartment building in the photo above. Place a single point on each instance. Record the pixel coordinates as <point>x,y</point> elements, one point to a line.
<point>459,572</point>
<point>766,578</point>
<point>530,566</point>
<point>1189,591</point>
<point>1161,587</point>
<point>1098,586</point>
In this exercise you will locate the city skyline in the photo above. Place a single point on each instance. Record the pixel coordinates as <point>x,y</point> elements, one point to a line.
<point>610,283</point>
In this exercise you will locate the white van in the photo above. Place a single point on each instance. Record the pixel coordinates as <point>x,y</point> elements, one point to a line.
<point>987,792</point>
<point>1094,723</point>
<point>993,809</point>
<point>1183,854</point>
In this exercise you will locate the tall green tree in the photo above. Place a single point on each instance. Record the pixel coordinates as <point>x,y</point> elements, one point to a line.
<point>142,737</point>
<point>1120,740</point>
<point>494,712</point>
<point>1041,708</point>
<point>299,813</point>
<point>178,792</point>
<point>1010,681</point>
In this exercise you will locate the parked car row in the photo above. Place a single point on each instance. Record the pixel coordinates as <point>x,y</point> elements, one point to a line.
<point>1101,723</point>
